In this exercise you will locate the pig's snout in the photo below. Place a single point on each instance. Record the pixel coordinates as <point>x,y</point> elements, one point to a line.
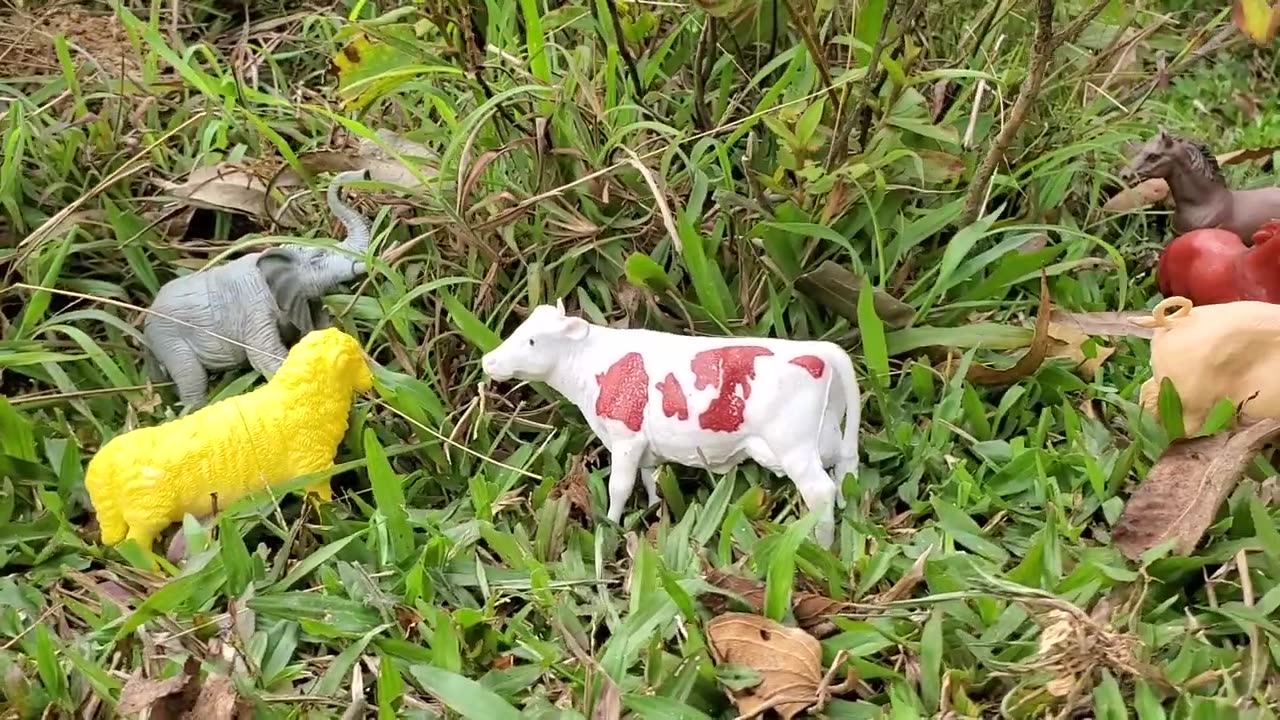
<point>493,367</point>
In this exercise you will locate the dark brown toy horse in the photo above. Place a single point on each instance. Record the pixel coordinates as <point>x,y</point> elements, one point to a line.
<point>1200,191</point>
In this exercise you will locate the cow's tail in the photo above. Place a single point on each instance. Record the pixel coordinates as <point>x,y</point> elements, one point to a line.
<point>101,478</point>
<point>1160,315</point>
<point>847,461</point>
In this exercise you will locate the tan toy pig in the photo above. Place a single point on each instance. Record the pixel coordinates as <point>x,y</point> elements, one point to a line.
<point>1214,351</point>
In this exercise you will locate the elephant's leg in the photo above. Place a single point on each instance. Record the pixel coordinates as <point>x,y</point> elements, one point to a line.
<point>269,350</point>
<point>184,366</point>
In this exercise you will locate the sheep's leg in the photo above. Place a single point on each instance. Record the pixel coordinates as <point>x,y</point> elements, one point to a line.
<point>144,534</point>
<point>321,490</point>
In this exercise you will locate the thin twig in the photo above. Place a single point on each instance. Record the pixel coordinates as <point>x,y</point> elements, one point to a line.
<point>844,118</point>
<point>1042,51</point>
<point>815,51</point>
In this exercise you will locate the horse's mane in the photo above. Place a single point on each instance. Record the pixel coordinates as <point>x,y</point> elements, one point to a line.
<point>1201,158</point>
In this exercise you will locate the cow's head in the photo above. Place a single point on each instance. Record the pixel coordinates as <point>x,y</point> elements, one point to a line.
<point>532,351</point>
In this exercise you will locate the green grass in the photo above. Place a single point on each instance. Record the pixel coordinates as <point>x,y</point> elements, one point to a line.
<point>466,568</point>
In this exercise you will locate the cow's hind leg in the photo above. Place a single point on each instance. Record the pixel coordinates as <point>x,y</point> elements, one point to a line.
<point>817,489</point>
<point>625,463</point>
<point>649,476</point>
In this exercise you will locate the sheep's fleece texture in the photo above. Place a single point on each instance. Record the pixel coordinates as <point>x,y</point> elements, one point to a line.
<point>144,480</point>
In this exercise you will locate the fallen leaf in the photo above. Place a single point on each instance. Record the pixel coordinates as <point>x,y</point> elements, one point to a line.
<point>812,612</point>
<point>141,693</point>
<point>939,167</point>
<point>1104,324</point>
<point>217,701</point>
<point>1068,341</point>
<point>788,661</point>
<point>1034,356</point>
<point>574,488</point>
<point>1257,19</point>
<point>1182,492</point>
<point>369,155</point>
<point>233,187</point>
<point>1235,157</point>
<point>166,699</point>
<point>836,288</point>
<point>609,704</point>
<point>907,582</point>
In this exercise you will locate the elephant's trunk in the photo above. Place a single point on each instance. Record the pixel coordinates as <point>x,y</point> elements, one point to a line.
<point>357,227</point>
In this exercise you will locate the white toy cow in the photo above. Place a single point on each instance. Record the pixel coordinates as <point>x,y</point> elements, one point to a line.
<point>708,402</point>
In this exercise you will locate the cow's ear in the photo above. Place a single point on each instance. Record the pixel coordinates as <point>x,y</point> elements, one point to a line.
<point>575,328</point>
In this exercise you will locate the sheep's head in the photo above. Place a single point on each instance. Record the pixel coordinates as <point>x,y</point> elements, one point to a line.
<point>328,353</point>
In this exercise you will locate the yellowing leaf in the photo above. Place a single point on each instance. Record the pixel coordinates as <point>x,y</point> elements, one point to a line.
<point>1257,19</point>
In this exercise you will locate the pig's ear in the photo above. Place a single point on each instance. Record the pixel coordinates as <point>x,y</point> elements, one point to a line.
<point>574,328</point>
<point>560,305</point>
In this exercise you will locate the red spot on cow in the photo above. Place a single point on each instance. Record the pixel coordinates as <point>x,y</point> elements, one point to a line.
<point>812,363</point>
<point>624,391</point>
<point>727,369</point>
<point>674,402</point>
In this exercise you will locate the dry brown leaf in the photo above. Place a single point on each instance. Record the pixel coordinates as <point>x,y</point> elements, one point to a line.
<point>1104,324</point>
<point>837,289</point>
<point>166,699</point>
<point>788,661</point>
<point>233,187</point>
<point>609,704</point>
<point>1029,362</point>
<point>1235,157</point>
<point>1182,492</point>
<point>907,582</point>
<point>812,612</point>
<point>1068,341</point>
<point>574,488</point>
<point>218,701</point>
<point>369,155</point>
<point>141,693</point>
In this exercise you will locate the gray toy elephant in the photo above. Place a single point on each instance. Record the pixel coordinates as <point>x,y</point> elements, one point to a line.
<point>267,300</point>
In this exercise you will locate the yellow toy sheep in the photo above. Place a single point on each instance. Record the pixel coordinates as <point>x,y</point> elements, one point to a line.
<point>144,480</point>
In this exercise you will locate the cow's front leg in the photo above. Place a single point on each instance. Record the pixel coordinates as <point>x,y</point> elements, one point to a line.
<point>818,491</point>
<point>649,476</point>
<point>622,475</point>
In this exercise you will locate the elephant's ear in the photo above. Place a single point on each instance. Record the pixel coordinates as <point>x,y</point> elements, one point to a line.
<point>280,269</point>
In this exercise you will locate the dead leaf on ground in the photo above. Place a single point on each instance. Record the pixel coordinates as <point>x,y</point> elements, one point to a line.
<point>1031,360</point>
<point>1067,341</point>
<point>369,155</point>
<point>836,288</point>
<point>812,611</point>
<point>1104,324</point>
<point>1073,647</point>
<point>788,661</point>
<point>167,699</point>
<point>218,700</point>
<point>574,488</point>
<point>233,187</point>
<point>609,704</point>
<point>1181,494</point>
<point>907,583</point>
<point>1150,192</point>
